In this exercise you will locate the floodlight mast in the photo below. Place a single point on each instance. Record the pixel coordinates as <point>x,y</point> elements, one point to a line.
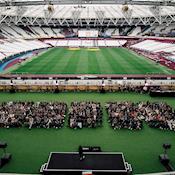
<point>85,2</point>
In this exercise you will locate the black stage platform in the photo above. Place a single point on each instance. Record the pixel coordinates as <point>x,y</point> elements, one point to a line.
<point>95,162</point>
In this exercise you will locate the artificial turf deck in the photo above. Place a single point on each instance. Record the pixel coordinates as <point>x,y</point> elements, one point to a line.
<point>30,148</point>
<point>84,61</point>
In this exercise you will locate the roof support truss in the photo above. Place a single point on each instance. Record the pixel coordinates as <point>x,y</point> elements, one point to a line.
<point>79,22</point>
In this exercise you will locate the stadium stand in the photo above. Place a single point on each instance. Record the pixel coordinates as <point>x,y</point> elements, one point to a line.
<point>30,32</point>
<point>154,46</point>
<point>11,47</point>
<point>22,32</point>
<point>102,43</point>
<point>157,51</point>
<point>115,43</point>
<point>40,32</point>
<point>50,32</point>
<point>74,43</point>
<point>86,42</point>
<point>135,32</point>
<point>10,32</point>
<point>109,32</point>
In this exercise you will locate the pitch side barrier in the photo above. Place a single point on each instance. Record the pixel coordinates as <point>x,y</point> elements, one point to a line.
<point>25,75</point>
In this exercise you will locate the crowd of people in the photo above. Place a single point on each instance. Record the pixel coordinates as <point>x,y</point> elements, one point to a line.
<point>138,89</point>
<point>85,114</point>
<point>158,115</point>
<point>130,115</point>
<point>131,88</point>
<point>30,114</point>
<point>124,115</point>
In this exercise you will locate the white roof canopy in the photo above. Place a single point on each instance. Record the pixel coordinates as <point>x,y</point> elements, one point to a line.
<point>107,12</point>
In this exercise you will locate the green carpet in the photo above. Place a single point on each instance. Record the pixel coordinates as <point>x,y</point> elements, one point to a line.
<point>30,149</point>
<point>83,61</point>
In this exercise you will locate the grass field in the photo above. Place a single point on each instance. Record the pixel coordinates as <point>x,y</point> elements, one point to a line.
<point>84,61</point>
<point>30,148</point>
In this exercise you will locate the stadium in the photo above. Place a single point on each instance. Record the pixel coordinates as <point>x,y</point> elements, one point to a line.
<point>87,87</point>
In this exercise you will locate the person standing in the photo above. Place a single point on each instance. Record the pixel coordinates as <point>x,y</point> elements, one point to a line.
<point>80,150</point>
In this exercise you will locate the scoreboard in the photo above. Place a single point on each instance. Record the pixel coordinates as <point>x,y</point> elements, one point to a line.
<point>88,33</point>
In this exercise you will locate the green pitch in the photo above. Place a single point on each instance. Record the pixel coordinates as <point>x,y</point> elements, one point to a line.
<point>85,61</point>
<point>30,148</point>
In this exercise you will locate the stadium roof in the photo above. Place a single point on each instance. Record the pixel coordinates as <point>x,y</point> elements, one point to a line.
<point>63,2</point>
<point>132,12</point>
<point>89,11</point>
